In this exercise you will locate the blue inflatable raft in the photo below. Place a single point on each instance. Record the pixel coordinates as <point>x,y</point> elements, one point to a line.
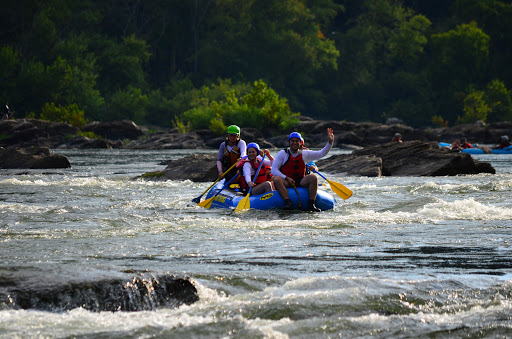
<point>229,199</point>
<point>506,150</point>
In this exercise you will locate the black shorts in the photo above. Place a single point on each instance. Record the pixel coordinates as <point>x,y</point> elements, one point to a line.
<point>297,182</point>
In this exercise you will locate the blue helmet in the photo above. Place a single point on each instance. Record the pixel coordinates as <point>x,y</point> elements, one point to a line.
<point>295,135</point>
<point>254,145</point>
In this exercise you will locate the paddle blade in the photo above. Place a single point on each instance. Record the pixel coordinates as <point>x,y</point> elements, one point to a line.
<point>244,204</point>
<point>343,192</point>
<point>197,200</point>
<point>206,203</point>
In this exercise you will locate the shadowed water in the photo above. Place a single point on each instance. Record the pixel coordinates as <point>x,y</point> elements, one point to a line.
<point>404,257</point>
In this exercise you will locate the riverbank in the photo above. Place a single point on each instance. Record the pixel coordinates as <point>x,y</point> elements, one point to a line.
<point>127,135</point>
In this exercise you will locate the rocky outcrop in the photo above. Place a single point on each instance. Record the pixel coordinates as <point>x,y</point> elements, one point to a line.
<point>139,293</point>
<point>114,130</point>
<point>80,142</point>
<point>190,140</point>
<point>475,133</point>
<point>32,132</point>
<point>352,165</point>
<point>412,158</point>
<point>195,167</point>
<point>33,158</point>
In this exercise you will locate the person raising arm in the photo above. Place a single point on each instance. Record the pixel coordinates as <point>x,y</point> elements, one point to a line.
<point>289,168</point>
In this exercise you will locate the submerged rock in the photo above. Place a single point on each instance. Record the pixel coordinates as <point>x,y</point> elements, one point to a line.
<point>139,293</point>
<point>34,158</point>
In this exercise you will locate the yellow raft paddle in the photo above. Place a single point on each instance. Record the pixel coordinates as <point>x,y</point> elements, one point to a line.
<point>338,188</point>
<point>208,202</point>
<point>198,199</point>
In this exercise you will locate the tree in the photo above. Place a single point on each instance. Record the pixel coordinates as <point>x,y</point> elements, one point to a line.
<point>380,73</point>
<point>459,58</point>
<point>277,40</point>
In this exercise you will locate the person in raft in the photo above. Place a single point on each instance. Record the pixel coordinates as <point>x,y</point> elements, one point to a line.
<point>397,138</point>
<point>504,142</point>
<point>230,151</point>
<point>465,144</point>
<point>250,165</point>
<point>289,168</point>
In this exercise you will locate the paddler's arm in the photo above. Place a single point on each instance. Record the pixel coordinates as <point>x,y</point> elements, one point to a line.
<point>278,163</point>
<point>309,156</point>
<point>243,148</point>
<point>247,174</point>
<point>219,159</point>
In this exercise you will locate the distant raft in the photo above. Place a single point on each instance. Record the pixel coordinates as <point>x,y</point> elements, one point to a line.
<point>230,198</point>
<point>506,150</point>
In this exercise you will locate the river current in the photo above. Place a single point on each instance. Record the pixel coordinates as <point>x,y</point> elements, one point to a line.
<point>404,257</point>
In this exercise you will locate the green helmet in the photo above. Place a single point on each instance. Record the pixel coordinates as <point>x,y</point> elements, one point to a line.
<point>234,129</point>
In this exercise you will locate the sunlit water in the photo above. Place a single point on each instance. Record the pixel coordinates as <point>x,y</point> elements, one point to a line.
<point>404,257</point>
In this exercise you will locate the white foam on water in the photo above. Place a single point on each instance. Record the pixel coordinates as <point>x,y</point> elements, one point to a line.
<point>466,209</point>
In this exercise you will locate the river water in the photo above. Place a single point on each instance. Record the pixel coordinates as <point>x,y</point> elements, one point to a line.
<point>404,257</point>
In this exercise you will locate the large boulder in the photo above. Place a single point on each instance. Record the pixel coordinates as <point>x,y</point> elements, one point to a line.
<point>114,130</point>
<point>189,140</point>
<point>80,142</point>
<point>352,165</point>
<point>417,158</point>
<point>33,157</point>
<point>33,132</point>
<point>195,167</point>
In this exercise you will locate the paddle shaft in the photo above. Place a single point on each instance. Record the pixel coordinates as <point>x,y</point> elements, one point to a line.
<point>298,197</point>
<point>320,174</point>
<point>245,203</point>
<point>222,176</point>
<point>226,185</point>
<point>257,172</point>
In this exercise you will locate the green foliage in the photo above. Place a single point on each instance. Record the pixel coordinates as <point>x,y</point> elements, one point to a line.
<point>151,175</point>
<point>499,100</point>
<point>475,108</point>
<point>170,101</point>
<point>260,108</point>
<point>180,126</point>
<point>130,104</point>
<point>70,114</point>
<point>329,61</point>
<point>89,134</point>
<point>462,53</point>
<point>437,120</point>
<point>9,63</point>
<point>121,63</point>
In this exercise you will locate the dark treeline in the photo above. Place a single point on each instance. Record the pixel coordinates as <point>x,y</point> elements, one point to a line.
<point>209,63</point>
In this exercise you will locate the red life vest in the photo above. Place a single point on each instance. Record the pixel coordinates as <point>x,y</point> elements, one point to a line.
<point>466,145</point>
<point>294,167</point>
<point>261,177</point>
<point>504,145</point>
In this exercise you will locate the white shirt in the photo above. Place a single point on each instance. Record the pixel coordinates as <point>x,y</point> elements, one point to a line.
<point>307,156</point>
